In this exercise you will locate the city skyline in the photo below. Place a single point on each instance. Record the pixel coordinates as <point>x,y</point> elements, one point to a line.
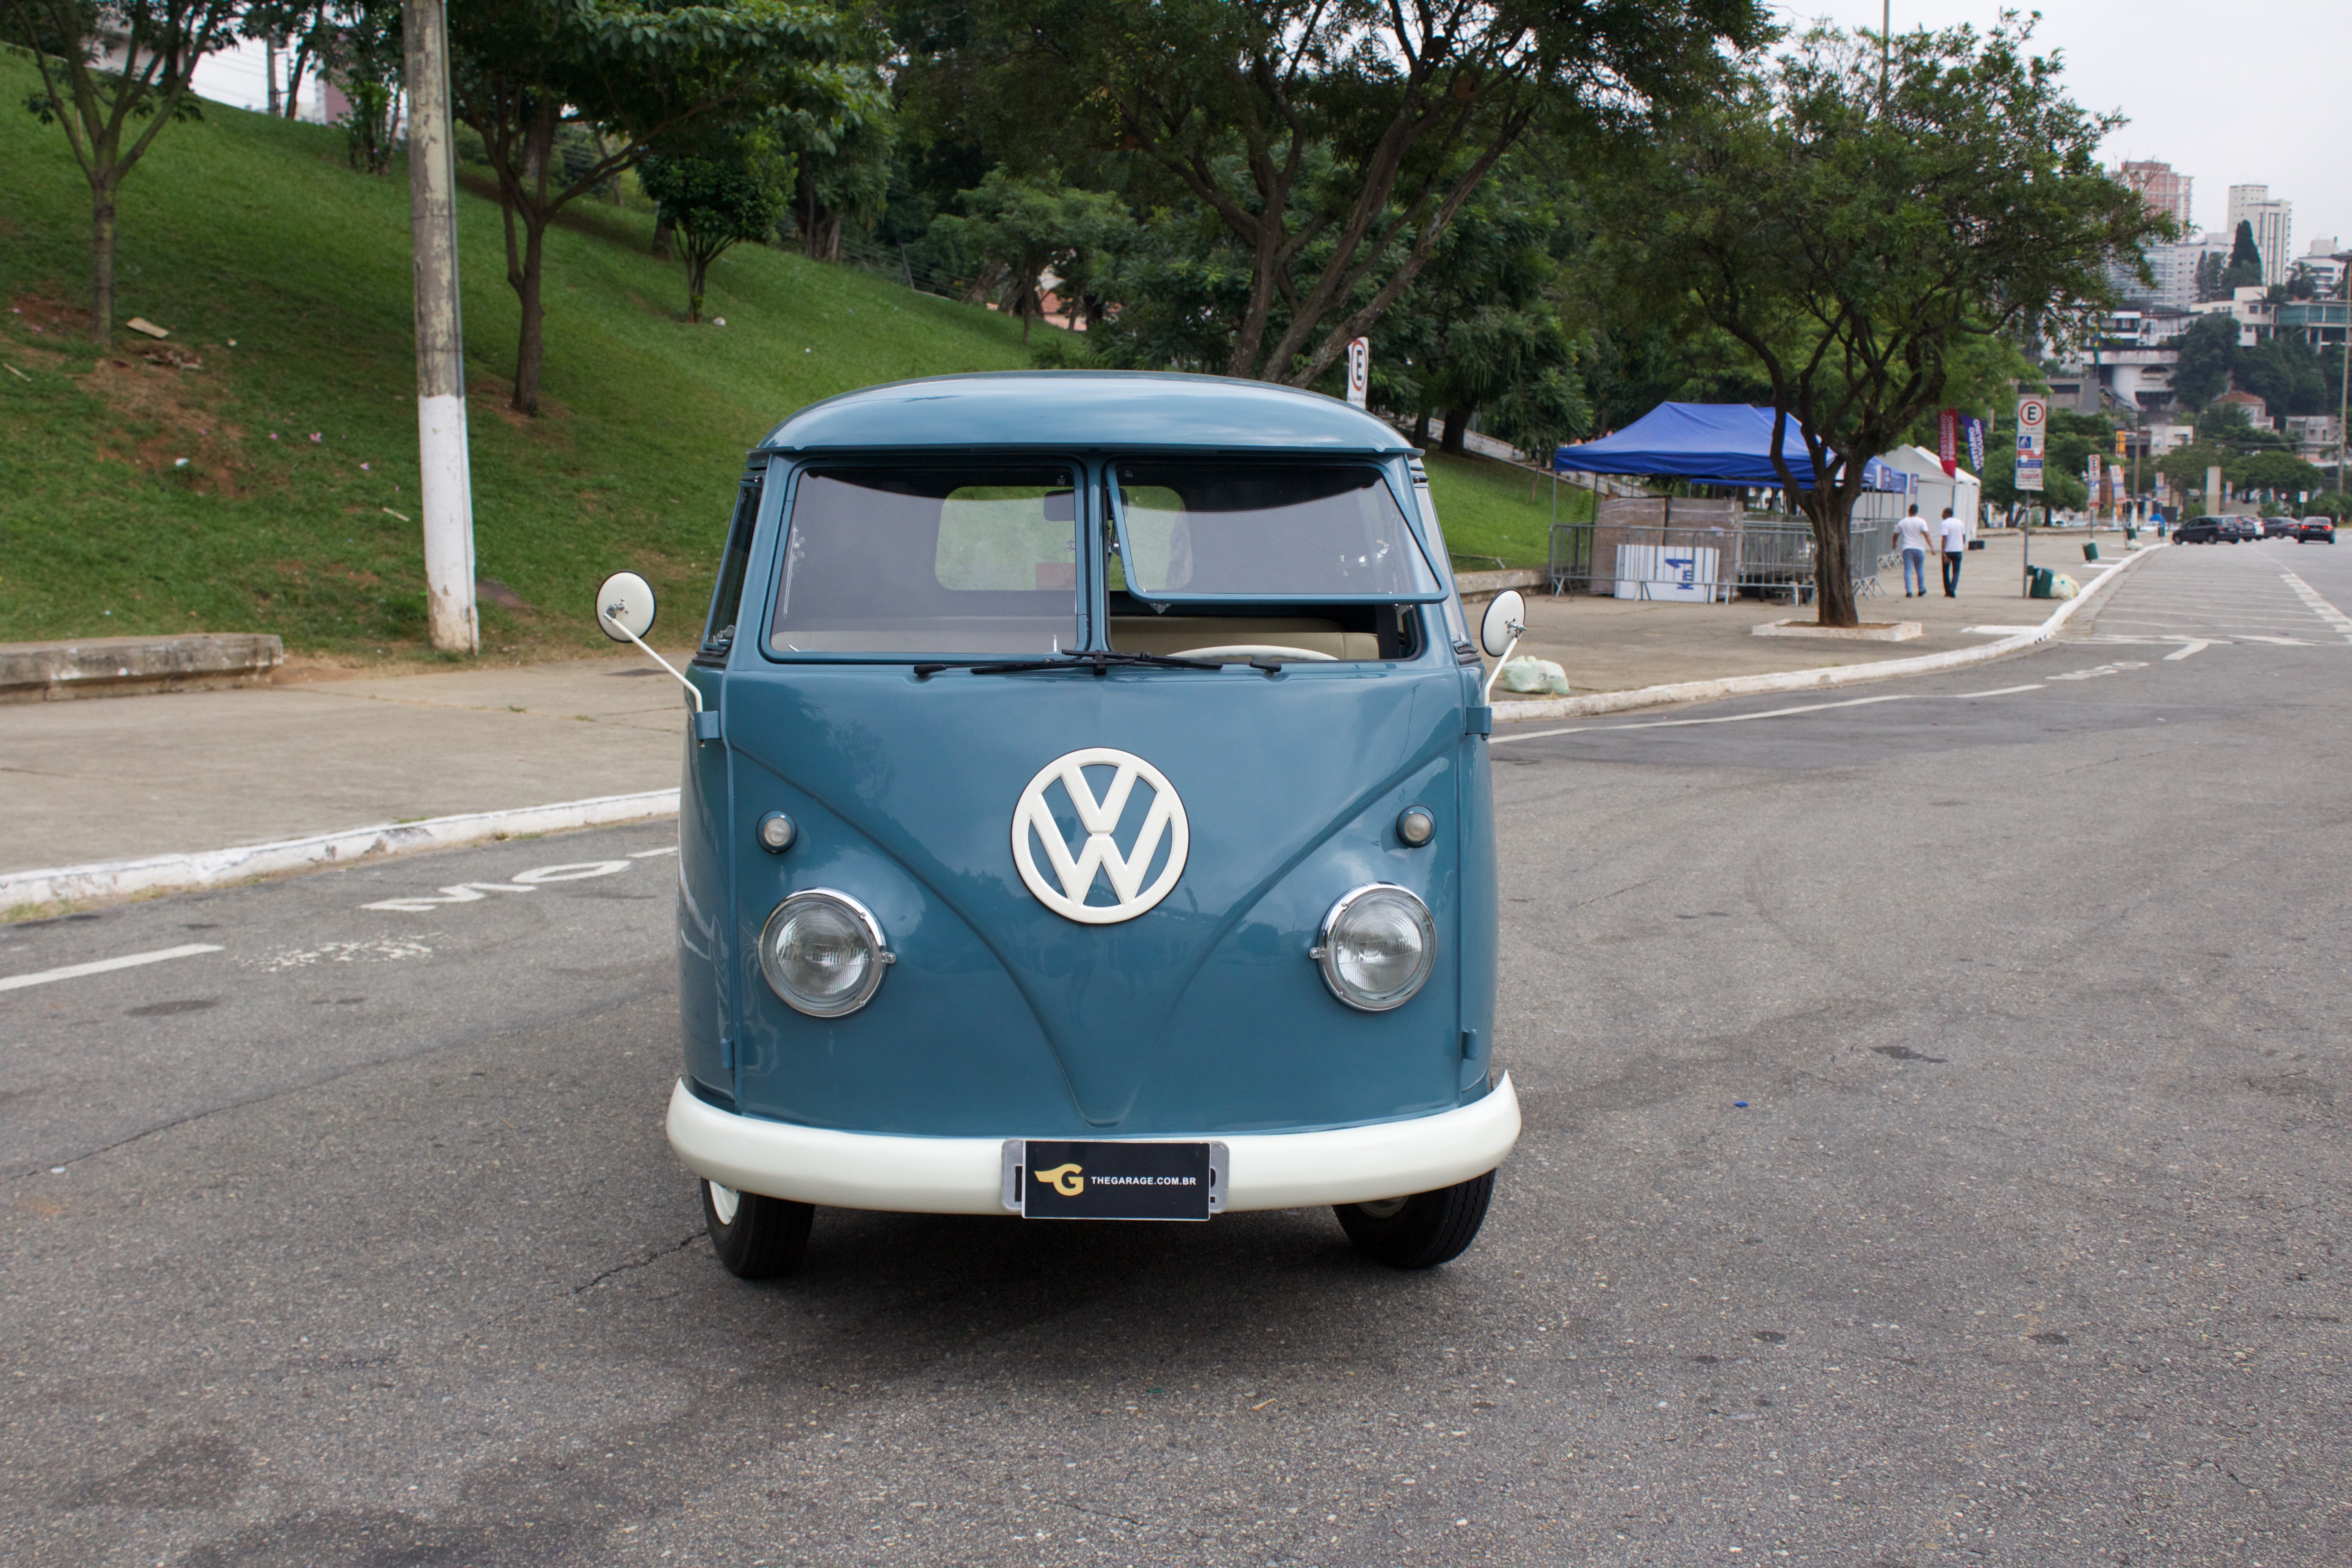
<point>2178,78</point>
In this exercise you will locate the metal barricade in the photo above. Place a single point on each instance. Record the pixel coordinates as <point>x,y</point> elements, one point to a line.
<point>1764,555</point>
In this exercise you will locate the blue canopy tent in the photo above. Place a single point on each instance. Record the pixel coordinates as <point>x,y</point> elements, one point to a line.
<point>1714,442</point>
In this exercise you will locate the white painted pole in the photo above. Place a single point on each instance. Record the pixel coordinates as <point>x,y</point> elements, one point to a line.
<point>447,473</point>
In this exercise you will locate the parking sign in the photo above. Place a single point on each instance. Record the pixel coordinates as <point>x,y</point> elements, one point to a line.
<point>1359,369</point>
<point>2033,422</point>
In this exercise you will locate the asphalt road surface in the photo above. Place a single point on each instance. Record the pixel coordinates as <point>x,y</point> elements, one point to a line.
<point>1936,1153</point>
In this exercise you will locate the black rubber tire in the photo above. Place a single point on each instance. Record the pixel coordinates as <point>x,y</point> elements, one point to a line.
<point>1430,1229</point>
<point>766,1238</point>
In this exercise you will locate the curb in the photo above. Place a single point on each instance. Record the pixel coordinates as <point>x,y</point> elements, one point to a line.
<point>215,868</point>
<point>1601,702</point>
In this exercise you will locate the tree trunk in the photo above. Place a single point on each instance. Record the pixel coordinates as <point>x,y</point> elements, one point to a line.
<point>1833,556</point>
<point>698,266</point>
<point>270,64</point>
<point>532,346</point>
<point>1457,424</point>
<point>1421,428</point>
<point>101,259</point>
<point>661,236</point>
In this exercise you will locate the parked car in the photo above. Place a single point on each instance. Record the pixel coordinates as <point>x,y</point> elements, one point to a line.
<point>2316,531</point>
<point>1087,814</point>
<point>2280,527</point>
<point>2242,530</point>
<point>2199,531</point>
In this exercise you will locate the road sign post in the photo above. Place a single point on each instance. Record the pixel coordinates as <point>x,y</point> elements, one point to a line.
<point>1360,369</point>
<point>2032,432</point>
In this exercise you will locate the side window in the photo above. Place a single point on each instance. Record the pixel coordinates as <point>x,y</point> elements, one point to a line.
<point>718,635</point>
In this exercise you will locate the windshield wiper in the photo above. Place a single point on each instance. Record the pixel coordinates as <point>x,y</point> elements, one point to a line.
<point>1100,661</point>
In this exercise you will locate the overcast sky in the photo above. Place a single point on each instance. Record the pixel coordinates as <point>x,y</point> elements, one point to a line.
<point>2249,92</point>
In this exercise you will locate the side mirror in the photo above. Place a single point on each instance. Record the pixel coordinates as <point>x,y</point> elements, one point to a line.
<point>1506,618</point>
<point>625,607</point>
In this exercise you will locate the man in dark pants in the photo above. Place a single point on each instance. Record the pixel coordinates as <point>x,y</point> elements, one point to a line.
<point>1954,536</point>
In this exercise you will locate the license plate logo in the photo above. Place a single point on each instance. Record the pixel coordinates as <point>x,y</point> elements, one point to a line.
<point>1053,1179</point>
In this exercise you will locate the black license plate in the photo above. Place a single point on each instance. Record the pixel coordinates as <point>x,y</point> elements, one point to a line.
<point>1117,1180</point>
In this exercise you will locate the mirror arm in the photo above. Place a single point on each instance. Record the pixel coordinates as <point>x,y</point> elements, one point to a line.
<point>1486,692</point>
<point>691,689</point>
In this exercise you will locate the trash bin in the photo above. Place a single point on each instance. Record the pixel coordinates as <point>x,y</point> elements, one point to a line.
<point>2090,549</point>
<point>2043,579</point>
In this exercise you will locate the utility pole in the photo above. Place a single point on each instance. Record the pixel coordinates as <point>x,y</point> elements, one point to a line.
<point>1886,32</point>
<point>447,487</point>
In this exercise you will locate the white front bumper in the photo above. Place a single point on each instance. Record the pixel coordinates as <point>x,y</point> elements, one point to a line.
<point>964,1175</point>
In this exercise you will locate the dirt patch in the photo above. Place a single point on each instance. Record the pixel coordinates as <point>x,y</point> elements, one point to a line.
<point>494,395</point>
<point>185,437</point>
<point>47,315</point>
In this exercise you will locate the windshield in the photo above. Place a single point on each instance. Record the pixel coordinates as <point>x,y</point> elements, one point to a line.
<point>1287,531</point>
<point>964,559</point>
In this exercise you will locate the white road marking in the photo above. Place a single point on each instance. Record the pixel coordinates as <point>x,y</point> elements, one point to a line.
<point>2317,606</point>
<point>101,966</point>
<point>2001,631</point>
<point>2194,645</point>
<point>1785,712</point>
<point>2096,670</point>
<point>456,893</point>
<point>383,947</point>
<point>521,883</point>
<point>575,871</point>
<point>2278,642</point>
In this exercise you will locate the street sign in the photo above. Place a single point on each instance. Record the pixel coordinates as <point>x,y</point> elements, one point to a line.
<point>1359,369</point>
<point>2032,424</point>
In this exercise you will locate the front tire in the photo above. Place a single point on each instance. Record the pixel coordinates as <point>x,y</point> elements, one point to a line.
<point>756,1238</point>
<point>1421,1231</point>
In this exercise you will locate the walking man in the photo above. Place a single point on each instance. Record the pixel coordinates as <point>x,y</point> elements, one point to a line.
<point>1911,536</point>
<point>1956,544</point>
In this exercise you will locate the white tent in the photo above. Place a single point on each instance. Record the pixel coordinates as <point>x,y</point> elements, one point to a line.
<point>1963,491</point>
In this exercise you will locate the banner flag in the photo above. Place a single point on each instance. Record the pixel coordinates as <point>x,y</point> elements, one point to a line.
<point>1974,428</point>
<point>1948,440</point>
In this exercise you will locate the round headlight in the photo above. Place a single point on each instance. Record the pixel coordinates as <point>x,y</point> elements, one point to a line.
<point>1377,947</point>
<point>823,953</point>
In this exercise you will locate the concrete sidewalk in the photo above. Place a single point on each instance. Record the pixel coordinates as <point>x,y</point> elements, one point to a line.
<point>1620,645</point>
<point>126,778</point>
<point>115,779</point>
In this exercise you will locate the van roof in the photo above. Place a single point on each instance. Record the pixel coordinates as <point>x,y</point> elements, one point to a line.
<point>1084,410</point>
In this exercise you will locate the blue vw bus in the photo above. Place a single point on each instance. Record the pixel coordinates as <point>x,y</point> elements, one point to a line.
<point>1086,815</point>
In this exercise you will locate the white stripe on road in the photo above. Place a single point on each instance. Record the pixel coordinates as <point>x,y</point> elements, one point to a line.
<point>2194,645</point>
<point>2317,606</point>
<point>1768,713</point>
<point>128,961</point>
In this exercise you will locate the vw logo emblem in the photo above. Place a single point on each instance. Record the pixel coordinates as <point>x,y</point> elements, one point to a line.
<point>1065,893</point>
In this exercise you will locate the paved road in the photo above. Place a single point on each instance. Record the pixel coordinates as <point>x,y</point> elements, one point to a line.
<point>353,1239</point>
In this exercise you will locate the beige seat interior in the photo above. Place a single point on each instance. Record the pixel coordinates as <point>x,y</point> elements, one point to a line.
<point>1181,634</point>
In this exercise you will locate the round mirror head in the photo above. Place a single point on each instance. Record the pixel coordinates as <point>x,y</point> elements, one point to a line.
<point>625,607</point>
<point>1506,618</point>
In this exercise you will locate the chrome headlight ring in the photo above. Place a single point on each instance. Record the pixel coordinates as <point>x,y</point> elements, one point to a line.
<point>823,952</point>
<point>1376,947</point>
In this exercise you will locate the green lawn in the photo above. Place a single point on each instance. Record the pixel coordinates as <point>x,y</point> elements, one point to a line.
<point>294,509</point>
<point>242,227</point>
<point>1494,508</point>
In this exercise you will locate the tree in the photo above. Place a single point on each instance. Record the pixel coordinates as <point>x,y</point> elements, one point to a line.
<point>2245,267</point>
<point>369,58</point>
<point>718,200</point>
<point>1022,228</point>
<point>525,71</point>
<point>1334,141</point>
<point>2209,352</point>
<point>1482,328</point>
<point>2283,474</point>
<point>111,70</point>
<point>2284,374</point>
<point>1851,236</point>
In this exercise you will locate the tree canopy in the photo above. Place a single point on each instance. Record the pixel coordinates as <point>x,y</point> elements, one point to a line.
<point>1850,237</point>
<point>1331,142</point>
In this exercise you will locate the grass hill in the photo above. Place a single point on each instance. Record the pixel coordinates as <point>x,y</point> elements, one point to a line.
<point>256,471</point>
